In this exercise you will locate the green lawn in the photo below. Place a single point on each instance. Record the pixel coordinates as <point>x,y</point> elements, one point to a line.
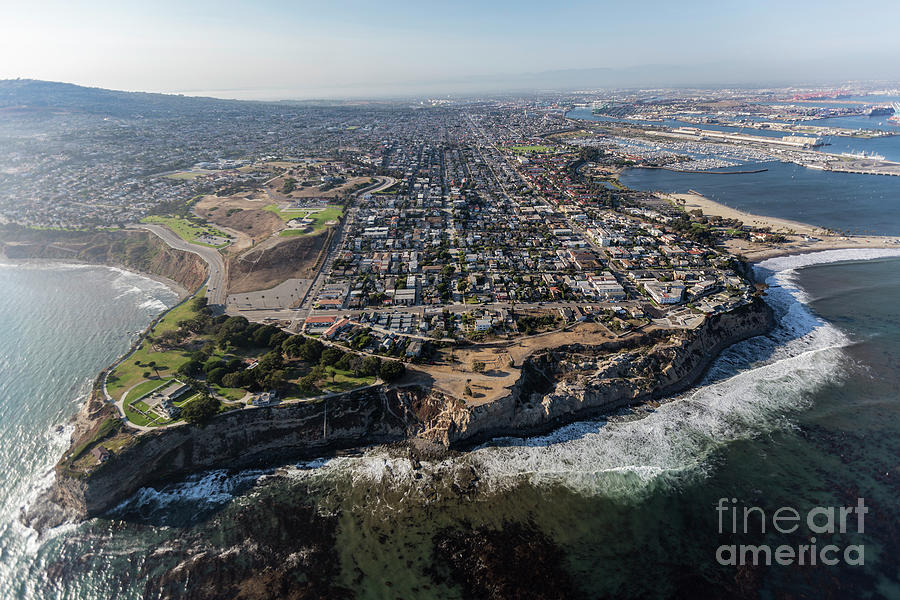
<point>343,381</point>
<point>128,373</point>
<point>233,394</point>
<point>138,419</point>
<point>186,230</point>
<point>181,403</point>
<point>332,212</point>
<point>142,389</point>
<point>530,149</point>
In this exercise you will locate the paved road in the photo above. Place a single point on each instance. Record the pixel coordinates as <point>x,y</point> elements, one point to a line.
<point>215,285</point>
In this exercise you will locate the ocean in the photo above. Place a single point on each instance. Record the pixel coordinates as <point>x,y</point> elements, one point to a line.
<point>620,507</point>
<point>858,204</point>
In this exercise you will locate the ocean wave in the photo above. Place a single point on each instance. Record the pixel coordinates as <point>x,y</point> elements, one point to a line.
<point>46,264</point>
<point>128,282</point>
<point>782,264</point>
<point>195,494</point>
<point>26,494</point>
<point>153,305</point>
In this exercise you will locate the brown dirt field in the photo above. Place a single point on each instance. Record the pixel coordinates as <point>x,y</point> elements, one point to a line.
<point>248,218</point>
<point>452,377</point>
<point>268,265</point>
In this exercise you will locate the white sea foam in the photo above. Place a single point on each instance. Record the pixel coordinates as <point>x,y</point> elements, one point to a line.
<point>209,488</point>
<point>153,305</point>
<point>796,261</point>
<point>25,495</point>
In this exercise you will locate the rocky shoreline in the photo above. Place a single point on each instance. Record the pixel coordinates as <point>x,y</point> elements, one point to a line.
<point>557,386</point>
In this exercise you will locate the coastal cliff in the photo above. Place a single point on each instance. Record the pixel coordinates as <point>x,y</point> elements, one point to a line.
<point>134,250</point>
<point>557,386</point>
<point>575,381</point>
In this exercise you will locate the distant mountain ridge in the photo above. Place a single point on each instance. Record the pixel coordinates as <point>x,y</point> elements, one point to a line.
<point>35,94</point>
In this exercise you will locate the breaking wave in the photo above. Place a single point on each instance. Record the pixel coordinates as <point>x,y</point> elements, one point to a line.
<point>188,499</point>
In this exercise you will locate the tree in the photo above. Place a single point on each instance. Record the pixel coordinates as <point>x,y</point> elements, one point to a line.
<point>215,375</point>
<point>263,335</point>
<point>234,380</point>
<point>200,410</point>
<point>311,350</point>
<point>391,370</point>
<point>270,361</point>
<point>478,366</point>
<point>307,383</point>
<point>344,364</point>
<point>199,303</point>
<point>370,365</point>
<point>152,365</point>
<point>213,363</point>
<point>190,368</point>
<point>277,339</point>
<point>331,355</point>
<point>291,345</point>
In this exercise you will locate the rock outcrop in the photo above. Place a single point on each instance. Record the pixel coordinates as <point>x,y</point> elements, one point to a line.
<point>578,381</point>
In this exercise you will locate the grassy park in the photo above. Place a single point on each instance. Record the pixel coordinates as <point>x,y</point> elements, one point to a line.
<point>228,357</point>
<point>185,229</point>
<point>331,212</point>
<point>536,149</point>
<point>131,371</point>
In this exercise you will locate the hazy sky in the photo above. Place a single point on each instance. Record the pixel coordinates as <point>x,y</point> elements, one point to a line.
<point>304,49</point>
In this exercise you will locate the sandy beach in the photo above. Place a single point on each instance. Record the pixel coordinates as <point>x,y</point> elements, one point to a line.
<point>802,237</point>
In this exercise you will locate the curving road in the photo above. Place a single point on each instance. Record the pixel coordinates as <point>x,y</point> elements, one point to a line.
<point>215,284</point>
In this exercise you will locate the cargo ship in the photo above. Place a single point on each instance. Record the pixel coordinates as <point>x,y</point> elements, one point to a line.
<point>880,111</point>
<point>896,117</point>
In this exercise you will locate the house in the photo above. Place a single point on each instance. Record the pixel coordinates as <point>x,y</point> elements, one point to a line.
<point>101,453</point>
<point>414,350</point>
<point>482,324</point>
<point>665,293</point>
<point>405,297</point>
<point>329,303</point>
<point>264,398</point>
<point>318,324</point>
<point>336,328</point>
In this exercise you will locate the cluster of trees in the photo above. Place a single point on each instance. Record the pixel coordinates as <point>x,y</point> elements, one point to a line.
<point>227,332</point>
<point>200,409</point>
<point>530,325</point>
<point>699,233</point>
<point>270,371</point>
<point>313,351</point>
